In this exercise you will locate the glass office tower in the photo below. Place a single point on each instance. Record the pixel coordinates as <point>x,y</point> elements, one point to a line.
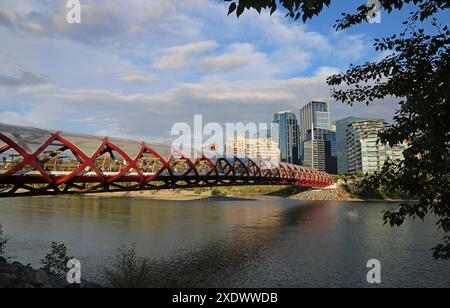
<point>341,143</point>
<point>289,136</point>
<point>366,154</point>
<point>318,137</point>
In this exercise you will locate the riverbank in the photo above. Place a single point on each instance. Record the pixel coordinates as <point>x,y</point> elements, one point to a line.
<point>163,194</point>
<point>17,275</point>
<point>337,192</point>
<point>203,193</point>
<point>334,194</point>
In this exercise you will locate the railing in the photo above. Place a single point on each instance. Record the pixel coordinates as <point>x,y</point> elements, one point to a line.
<point>34,162</point>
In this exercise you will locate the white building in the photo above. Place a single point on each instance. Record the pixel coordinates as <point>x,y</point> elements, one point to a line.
<point>262,148</point>
<point>366,154</point>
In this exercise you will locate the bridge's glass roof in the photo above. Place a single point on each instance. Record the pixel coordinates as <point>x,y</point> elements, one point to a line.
<point>58,162</point>
<point>31,139</point>
<point>87,144</point>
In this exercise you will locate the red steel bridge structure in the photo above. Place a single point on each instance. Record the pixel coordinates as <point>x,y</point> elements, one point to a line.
<point>43,162</point>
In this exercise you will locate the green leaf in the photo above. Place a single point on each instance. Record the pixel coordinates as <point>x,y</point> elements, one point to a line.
<point>240,10</point>
<point>273,9</point>
<point>232,8</point>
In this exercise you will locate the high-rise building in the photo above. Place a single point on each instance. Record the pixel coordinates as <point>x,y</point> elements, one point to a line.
<point>237,146</point>
<point>331,159</point>
<point>341,143</point>
<point>364,151</point>
<point>318,137</point>
<point>262,148</point>
<point>289,136</point>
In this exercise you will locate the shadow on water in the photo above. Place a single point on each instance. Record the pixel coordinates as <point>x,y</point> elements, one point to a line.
<point>195,243</point>
<point>221,263</point>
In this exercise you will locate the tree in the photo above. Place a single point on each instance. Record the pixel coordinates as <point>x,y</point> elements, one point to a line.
<point>129,270</point>
<point>56,260</point>
<point>417,72</point>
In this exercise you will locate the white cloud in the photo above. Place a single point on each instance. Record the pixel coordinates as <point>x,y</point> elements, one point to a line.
<point>292,34</point>
<point>140,78</point>
<point>151,116</point>
<point>100,75</point>
<point>103,22</point>
<point>223,63</point>
<point>178,56</point>
<point>348,47</point>
<point>327,71</point>
<point>192,48</point>
<point>239,61</point>
<point>22,79</point>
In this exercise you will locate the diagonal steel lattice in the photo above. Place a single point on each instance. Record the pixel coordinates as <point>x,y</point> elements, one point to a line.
<point>41,162</point>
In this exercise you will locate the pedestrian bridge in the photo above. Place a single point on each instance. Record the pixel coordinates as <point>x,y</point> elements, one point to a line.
<point>42,162</point>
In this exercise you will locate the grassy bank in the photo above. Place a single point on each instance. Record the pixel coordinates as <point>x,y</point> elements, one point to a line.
<point>360,186</point>
<point>354,188</point>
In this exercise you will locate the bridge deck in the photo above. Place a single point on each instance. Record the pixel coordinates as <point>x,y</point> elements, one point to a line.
<point>34,161</point>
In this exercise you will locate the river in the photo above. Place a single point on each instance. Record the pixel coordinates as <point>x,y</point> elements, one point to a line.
<point>263,242</point>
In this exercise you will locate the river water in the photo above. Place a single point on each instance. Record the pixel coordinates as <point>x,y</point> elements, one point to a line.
<point>264,242</point>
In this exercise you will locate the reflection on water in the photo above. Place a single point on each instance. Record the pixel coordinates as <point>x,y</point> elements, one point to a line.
<point>270,242</point>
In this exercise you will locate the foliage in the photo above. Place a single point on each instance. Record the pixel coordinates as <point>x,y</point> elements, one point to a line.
<point>346,178</point>
<point>307,9</point>
<point>362,186</point>
<point>416,70</point>
<point>215,192</point>
<point>56,260</point>
<point>128,270</point>
<point>244,190</point>
<point>3,242</point>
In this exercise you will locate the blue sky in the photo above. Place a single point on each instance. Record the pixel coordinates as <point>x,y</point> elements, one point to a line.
<point>132,68</point>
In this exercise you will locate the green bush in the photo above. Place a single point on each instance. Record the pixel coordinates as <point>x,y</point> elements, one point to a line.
<point>56,260</point>
<point>217,193</point>
<point>128,270</point>
<point>362,186</point>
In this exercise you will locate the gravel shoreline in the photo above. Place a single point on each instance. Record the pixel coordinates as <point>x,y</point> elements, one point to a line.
<point>319,194</point>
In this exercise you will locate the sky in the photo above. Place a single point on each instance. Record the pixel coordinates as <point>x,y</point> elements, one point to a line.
<point>133,68</point>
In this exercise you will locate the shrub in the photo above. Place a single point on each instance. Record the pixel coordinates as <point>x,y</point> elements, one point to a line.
<point>128,270</point>
<point>361,186</point>
<point>56,260</point>
<point>216,192</point>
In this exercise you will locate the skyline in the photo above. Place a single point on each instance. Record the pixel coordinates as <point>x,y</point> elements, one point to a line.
<point>125,72</point>
<point>223,146</point>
